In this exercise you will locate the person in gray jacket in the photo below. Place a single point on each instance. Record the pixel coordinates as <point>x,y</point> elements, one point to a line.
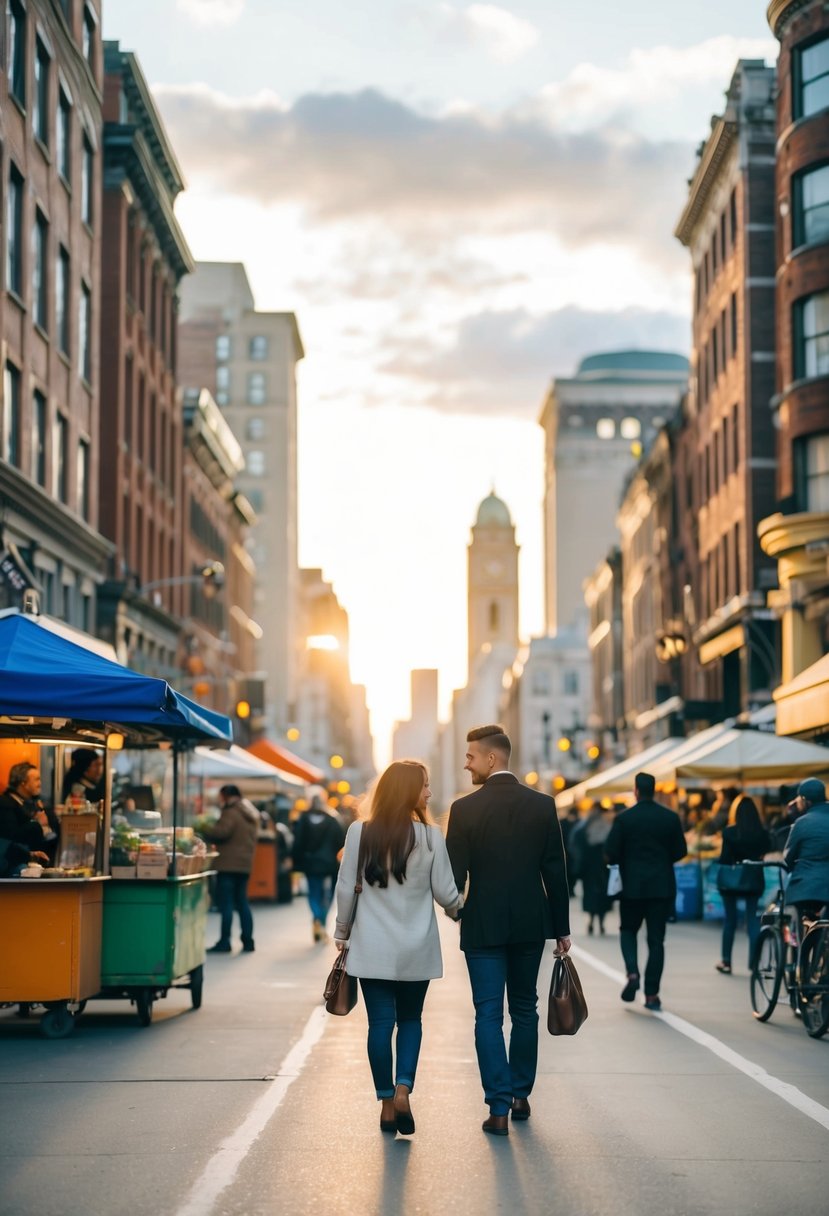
<point>806,853</point>
<point>394,948</point>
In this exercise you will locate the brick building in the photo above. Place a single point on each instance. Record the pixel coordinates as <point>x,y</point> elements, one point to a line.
<point>797,534</point>
<point>145,256</point>
<point>50,160</point>
<point>725,476</point>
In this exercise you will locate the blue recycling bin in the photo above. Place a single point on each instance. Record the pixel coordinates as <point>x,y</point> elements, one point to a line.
<point>688,890</point>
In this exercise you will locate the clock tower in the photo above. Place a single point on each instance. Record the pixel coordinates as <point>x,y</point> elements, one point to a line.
<point>492,581</point>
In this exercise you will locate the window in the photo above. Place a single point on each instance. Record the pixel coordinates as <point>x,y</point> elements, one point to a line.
<point>541,681</point>
<point>631,428</point>
<point>817,473</point>
<point>255,428</point>
<point>258,347</point>
<point>811,79</point>
<point>732,215</point>
<point>63,136</point>
<point>256,498</point>
<point>222,384</point>
<point>734,323</point>
<point>812,336</point>
<point>11,414</point>
<point>87,182</point>
<point>40,276</point>
<point>88,46</point>
<point>811,207</point>
<point>494,617</point>
<point>63,287</point>
<point>17,51</point>
<point>223,348</point>
<point>60,480</point>
<point>40,111</point>
<point>14,240</point>
<point>85,333</point>
<point>571,683</point>
<point>83,478</point>
<point>255,464</point>
<point>39,438</point>
<point>256,388</point>
<point>723,237</point>
<point>606,428</point>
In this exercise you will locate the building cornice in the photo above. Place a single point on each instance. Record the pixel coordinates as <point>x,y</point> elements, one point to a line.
<point>146,114</point>
<point>30,502</point>
<point>721,141</point>
<point>779,12</point>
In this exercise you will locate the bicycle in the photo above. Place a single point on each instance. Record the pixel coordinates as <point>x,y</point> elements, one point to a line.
<point>780,956</point>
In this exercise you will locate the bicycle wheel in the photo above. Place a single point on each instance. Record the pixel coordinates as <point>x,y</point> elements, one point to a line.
<point>813,982</point>
<point>767,973</point>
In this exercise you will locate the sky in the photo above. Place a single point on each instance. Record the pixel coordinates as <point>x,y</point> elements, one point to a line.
<point>459,202</point>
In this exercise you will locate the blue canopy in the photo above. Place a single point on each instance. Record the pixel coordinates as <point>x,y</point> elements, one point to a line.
<point>43,675</point>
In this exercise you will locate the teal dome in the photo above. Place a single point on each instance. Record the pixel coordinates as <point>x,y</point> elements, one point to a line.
<point>493,513</point>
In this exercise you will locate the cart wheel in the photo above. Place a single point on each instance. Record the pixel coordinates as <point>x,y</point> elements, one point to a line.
<point>144,1006</point>
<point>78,1008</point>
<point>196,985</point>
<point>57,1023</point>
<point>24,1009</point>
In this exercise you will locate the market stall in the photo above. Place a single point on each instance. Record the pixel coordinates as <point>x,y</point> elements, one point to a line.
<point>72,932</point>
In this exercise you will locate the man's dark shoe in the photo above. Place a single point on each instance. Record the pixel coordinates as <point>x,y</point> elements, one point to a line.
<point>219,948</point>
<point>496,1125</point>
<point>248,947</point>
<point>631,987</point>
<point>520,1109</point>
<point>653,1003</point>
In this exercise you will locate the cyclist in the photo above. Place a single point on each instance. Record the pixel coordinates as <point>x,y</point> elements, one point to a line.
<point>807,852</point>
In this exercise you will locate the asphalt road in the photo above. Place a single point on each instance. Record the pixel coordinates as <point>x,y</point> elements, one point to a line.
<point>259,1103</point>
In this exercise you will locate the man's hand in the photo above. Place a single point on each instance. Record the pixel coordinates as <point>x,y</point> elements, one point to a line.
<point>563,944</point>
<point>38,856</point>
<point>340,945</point>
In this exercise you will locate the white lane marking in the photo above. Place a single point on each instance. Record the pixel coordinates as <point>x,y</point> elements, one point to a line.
<point>789,1093</point>
<point>230,1154</point>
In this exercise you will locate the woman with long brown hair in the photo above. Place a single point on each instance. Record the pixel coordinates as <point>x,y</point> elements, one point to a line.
<point>394,948</point>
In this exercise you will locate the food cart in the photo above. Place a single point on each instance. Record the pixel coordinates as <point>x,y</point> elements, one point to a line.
<point>68,937</point>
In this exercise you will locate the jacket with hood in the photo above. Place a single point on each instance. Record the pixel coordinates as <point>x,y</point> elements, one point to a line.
<point>235,832</point>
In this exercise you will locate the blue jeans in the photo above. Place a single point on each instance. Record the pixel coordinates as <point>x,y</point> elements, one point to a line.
<point>320,895</point>
<point>390,1003</point>
<point>494,970</point>
<point>232,893</point>
<point>729,903</point>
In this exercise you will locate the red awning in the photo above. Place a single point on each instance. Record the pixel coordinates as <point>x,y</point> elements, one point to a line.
<point>286,761</point>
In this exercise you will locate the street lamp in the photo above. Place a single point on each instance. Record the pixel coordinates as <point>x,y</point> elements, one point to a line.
<point>211,576</point>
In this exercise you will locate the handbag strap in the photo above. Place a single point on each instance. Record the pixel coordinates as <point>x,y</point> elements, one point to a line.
<point>358,885</point>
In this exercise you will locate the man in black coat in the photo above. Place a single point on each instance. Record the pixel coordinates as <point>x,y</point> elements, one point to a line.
<point>506,840</point>
<point>644,842</point>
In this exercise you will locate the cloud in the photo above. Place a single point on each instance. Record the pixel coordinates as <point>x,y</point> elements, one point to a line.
<point>500,33</point>
<point>212,12</point>
<point>649,78</point>
<point>367,157</point>
<point>501,362</point>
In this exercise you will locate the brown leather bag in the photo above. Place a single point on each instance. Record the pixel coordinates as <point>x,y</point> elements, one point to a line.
<point>566,1007</point>
<point>340,992</point>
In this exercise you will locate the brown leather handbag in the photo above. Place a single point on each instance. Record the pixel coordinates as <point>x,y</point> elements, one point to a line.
<point>566,1006</point>
<point>340,992</point>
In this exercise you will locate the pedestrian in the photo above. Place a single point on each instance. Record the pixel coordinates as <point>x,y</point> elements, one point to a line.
<point>235,833</point>
<point>593,868</point>
<point>505,839</point>
<point>806,853</point>
<point>644,842</point>
<point>318,838</point>
<point>743,839</point>
<point>569,825</point>
<point>394,948</point>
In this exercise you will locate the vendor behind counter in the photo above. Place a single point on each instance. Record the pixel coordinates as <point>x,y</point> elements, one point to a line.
<point>28,831</point>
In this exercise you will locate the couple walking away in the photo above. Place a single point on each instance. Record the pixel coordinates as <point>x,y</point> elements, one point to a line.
<point>504,847</point>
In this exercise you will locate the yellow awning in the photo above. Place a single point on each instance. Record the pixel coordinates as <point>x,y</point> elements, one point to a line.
<point>803,703</point>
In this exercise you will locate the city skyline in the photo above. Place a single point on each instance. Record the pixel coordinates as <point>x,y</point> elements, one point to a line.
<point>455,217</point>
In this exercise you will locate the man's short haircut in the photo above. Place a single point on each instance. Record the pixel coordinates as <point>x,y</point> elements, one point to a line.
<point>645,784</point>
<point>19,772</point>
<point>495,736</point>
<point>231,791</point>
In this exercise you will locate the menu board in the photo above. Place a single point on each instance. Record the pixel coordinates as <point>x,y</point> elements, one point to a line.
<point>78,841</point>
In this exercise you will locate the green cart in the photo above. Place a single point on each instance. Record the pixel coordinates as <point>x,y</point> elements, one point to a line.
<point>153,939</point>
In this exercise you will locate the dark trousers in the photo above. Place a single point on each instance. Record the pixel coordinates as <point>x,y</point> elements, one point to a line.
<point>232,893</point>
<point>494,970</point>
<point>729,903</point>
<point>391,1003</point>
<point>655,913</point>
